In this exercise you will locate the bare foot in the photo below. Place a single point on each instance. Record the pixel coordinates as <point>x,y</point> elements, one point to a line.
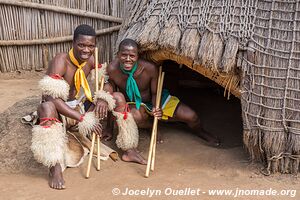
<point>210,139</point>
<point>56,180</point>
<point>132,155</point>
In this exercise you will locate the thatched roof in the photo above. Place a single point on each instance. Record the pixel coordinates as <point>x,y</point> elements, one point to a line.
<point>254,42</point>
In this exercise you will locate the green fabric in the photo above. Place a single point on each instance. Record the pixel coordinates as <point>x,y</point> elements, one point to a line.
<point>132,89</point>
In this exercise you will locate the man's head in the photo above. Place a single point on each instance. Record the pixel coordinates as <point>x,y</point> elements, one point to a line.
<point>84,42</point>
<point>128,53</point>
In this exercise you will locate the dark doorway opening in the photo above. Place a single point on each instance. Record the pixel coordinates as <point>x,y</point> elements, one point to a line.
<point>220,116</point>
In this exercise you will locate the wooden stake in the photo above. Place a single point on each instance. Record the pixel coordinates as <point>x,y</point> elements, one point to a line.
<point>94,134</point>
<point>151,156</point>
<point>98,152</point>
<point>159,91</point>
<point>90,157</point>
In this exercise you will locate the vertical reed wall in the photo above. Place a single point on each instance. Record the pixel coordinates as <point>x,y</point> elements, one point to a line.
<point>20,24</point>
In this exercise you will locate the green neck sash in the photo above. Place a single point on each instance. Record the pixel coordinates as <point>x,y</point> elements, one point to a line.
<point>132,89</point>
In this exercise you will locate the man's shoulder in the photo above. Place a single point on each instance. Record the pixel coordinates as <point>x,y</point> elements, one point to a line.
<point>113,65</point>
<point>148,65</point>
<point>58,63</point>
<point>60,58</point>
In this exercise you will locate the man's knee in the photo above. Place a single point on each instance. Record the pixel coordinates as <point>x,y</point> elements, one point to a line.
<point>120,101</point>
<point>186,114</point>
<point>108,88</point>
<point>119,97</point>
<point>140,116</point>
<point>193,117</point>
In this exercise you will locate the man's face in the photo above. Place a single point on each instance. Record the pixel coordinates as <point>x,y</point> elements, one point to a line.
<point>84,47</point>
<point>128,55</point>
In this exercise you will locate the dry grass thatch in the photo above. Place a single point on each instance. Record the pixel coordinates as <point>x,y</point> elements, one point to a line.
<point>249,47</point>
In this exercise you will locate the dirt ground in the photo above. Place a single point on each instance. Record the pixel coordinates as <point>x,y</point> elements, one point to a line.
<point>185,167</point>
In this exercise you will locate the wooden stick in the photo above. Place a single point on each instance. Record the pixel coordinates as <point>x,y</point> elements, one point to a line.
<point>98,152</point>
<point>55,39</point>
<point>154,129</point>
<point>59,9</point>
<point>94,134</point>
<point>98,138</point>
<point>90,157</point>
<point>155,132</point>
<point>154,150</point>
<point>158,95</point>
<point>97,88</point>
<point>159,90</point>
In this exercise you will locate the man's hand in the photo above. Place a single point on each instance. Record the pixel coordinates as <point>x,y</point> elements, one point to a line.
<point>157,112</point>
<point>101,109</point>
<point>98,129</point>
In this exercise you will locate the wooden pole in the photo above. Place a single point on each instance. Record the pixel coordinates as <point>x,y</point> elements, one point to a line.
<point>98,138</point>
<point>159,90</point>
<point>94,134</point>
<point>63,10</point>
<point>97,88</point>
<point>53,40</point>
<point>91,156</point>
<point>155,122</point>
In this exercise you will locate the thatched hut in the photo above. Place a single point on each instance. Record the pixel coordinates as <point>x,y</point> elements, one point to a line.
<point>250,47</point>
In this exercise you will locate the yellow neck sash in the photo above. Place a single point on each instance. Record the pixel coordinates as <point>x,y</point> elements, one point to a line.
<point>79,77</point>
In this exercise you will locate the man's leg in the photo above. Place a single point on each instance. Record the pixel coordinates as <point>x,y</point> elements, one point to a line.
<point>48,110</point>
<point>185,114</point>
<point>131,154</point>
<point>145,121</point>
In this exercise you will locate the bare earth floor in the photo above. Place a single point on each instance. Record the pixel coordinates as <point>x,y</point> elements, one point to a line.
<point>185,167</point>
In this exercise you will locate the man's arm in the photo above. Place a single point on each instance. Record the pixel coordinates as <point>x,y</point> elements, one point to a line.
<point>153,85</point>
<point>58,66</point>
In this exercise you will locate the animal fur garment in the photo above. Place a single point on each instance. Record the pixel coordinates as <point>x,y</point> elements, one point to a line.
<point>48,144</point>
<point>106,96</point>
<point>101,72</point>
<point>128,136</point>
<point>75,152</point>
<point>88,123</point>
<point>56,88</point>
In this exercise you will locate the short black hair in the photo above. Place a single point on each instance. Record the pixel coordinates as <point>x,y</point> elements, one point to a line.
<point>84,29</point>
<point>128,42</point>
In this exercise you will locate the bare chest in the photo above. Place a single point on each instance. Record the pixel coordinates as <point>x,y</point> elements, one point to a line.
<point>70,74</point>
<point>142,81</point>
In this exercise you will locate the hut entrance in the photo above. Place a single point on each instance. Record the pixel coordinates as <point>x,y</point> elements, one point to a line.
<point>220,116</point>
